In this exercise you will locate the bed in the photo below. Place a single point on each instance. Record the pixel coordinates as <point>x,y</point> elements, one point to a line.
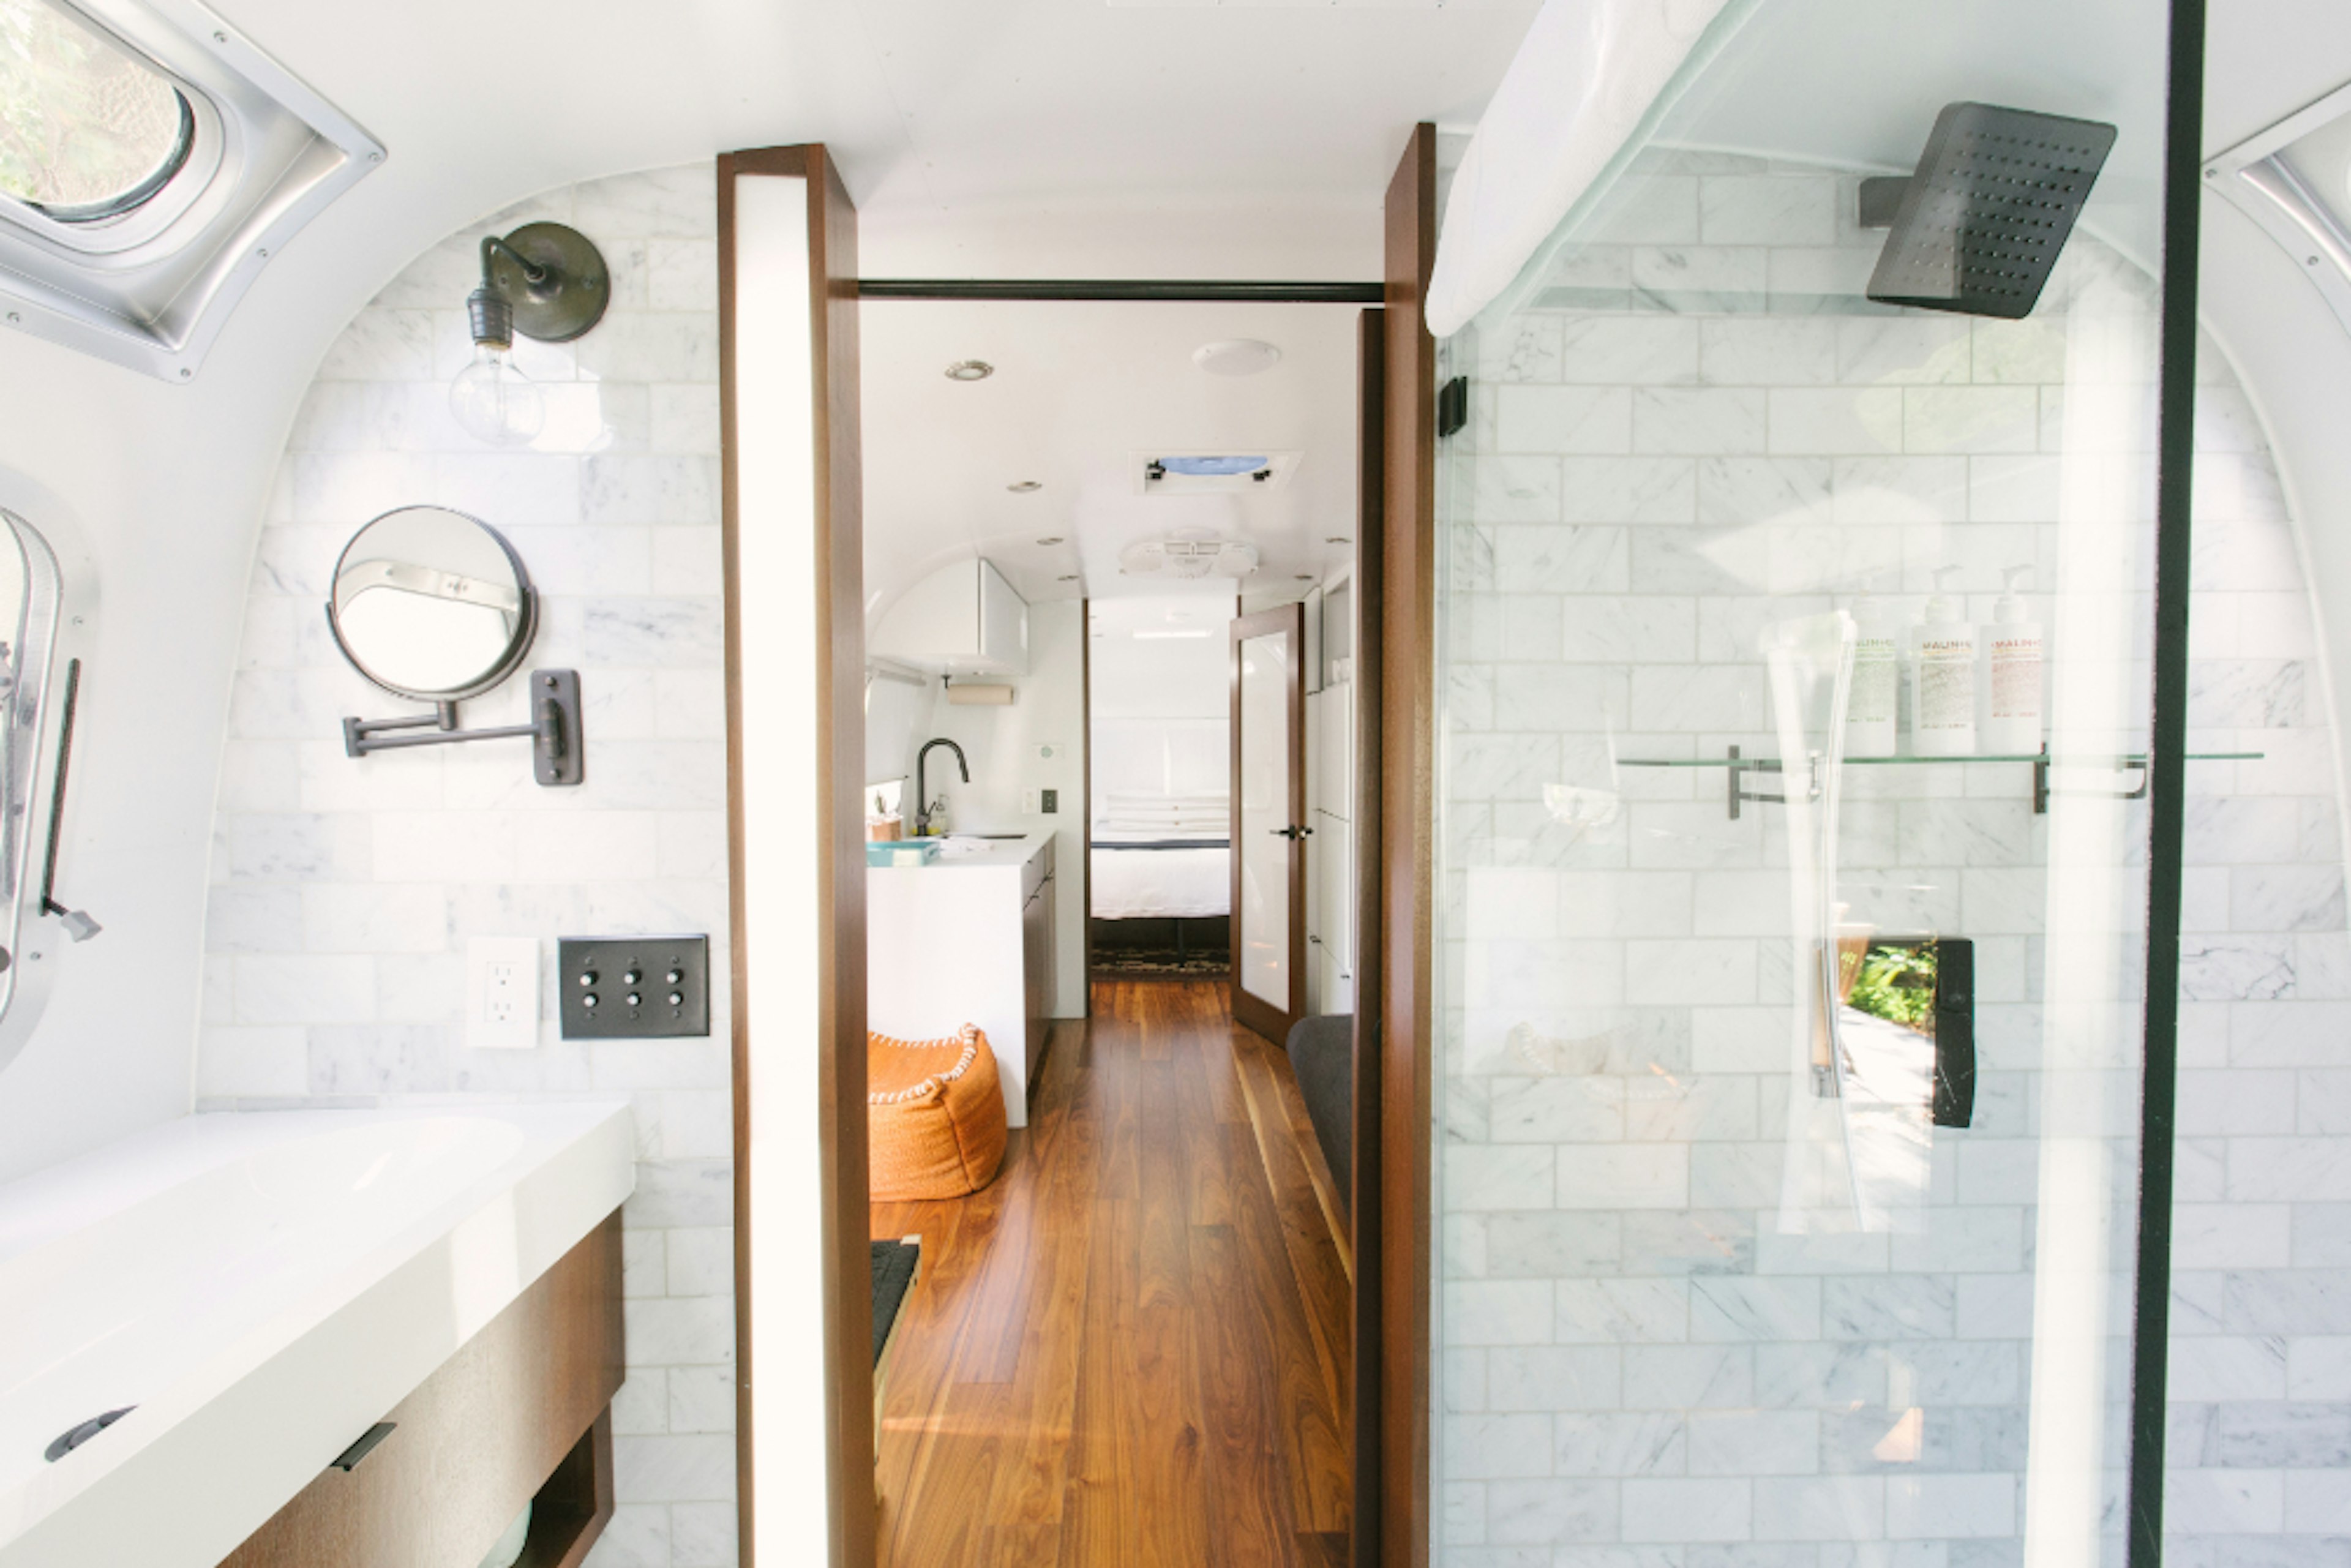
<point>1162,857</point>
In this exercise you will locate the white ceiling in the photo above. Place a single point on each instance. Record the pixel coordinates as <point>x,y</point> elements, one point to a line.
<point>1080,389</point>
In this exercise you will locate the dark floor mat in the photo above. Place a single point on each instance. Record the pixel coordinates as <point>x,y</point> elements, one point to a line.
<point>1159,961</point>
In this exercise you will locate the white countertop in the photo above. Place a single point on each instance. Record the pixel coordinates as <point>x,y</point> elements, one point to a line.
<point>262,1287</point>
<point>969,852</point>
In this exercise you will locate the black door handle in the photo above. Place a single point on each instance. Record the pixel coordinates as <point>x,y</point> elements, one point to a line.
<point>1292,834</point>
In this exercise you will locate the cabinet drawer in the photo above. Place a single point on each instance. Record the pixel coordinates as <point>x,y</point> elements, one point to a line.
<point>518,1414</point>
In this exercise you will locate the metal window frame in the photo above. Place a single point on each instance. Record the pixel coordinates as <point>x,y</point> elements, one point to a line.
<point>2254,177</point>
<point>2166,777</point>
<point>151,287</point>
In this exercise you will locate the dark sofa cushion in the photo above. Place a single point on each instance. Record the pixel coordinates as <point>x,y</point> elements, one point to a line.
<point>1323,1054</point>
<point>894,1276</point>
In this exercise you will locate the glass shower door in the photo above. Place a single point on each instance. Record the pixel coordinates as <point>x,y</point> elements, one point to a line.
<point>1789,989</point>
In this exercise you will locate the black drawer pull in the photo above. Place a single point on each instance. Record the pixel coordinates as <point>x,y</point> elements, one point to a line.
<point>349,1458</point>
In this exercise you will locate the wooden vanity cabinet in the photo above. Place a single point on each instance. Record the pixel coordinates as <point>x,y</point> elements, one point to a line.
<point>521,1412</point>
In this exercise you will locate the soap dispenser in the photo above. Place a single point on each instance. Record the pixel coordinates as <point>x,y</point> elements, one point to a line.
<point>2013,663</point>
<point>1872,697</point>
<point>1943,677</point>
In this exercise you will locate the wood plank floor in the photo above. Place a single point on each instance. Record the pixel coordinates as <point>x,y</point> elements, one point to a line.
<point>1131,1350</point>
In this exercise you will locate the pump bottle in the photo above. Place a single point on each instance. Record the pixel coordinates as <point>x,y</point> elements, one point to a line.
<point>2012,674</point>
<point>1943,677</point>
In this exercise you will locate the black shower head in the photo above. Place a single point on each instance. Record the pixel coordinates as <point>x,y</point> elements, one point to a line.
<point>1982,222</point>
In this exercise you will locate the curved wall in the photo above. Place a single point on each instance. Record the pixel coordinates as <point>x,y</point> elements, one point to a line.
<point>343,893</point>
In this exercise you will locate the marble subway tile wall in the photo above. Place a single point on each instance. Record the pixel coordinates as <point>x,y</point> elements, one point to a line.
<point>1697,428</point>
<point>344,892</point>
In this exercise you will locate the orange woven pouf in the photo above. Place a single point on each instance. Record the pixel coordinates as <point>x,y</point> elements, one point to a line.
<point>934,1115</point>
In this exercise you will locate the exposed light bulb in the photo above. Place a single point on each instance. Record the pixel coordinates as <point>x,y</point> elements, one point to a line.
<point>496,402</point>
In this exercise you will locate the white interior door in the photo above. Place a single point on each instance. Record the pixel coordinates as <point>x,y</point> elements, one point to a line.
<point>1270,820</point>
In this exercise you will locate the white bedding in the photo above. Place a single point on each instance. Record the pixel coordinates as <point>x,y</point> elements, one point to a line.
<point>1142,883</point>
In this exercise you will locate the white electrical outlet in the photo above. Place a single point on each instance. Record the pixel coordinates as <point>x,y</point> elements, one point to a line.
<point>502,993</point>
<point>1028,806</point>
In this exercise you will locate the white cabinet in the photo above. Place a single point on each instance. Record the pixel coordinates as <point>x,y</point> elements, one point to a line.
<point>964,618</point>
<point>1040,972</point>
<point>1330,852</point>
<point>967,938</point>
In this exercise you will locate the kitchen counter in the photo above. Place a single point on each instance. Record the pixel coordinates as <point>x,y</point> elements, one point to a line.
<point>967,938</point>
<point>976,852</point>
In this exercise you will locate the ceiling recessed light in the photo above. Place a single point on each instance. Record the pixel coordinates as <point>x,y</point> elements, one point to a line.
<point>1337,540</point>
<point>1022,486</point>
<point>1303,576</point>
<point>970,370</point>
<point>1050,539</point>
<point>1236,356</point>
<point>1068,576</point>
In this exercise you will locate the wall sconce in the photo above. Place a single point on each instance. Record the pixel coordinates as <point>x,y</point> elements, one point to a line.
<point>545,281</point>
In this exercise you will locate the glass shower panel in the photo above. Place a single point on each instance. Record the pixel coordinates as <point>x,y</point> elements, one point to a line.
<point>1789,1079</point>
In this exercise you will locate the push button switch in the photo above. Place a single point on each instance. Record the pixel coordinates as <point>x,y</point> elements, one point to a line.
<point>680,1007</point>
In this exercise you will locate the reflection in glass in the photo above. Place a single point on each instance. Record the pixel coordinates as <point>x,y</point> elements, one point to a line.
<point>431,604</point>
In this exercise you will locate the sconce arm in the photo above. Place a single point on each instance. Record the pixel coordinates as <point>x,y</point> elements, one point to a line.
<point>493,246</point>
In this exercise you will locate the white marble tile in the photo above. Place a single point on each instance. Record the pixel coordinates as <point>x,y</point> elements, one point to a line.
<point>1841,1508</point>
<point>1620,350</point>
<point>1563,420</point>
<point>1621,1312</point>
<point>1754,1443</point>
<point>1687,1511</point>
<point>240,1062</point>
<point>674,1468</point>
<point>637,1536</point>
<point>1892,351</point>
<point>1729,1309</point>
<point>1834,420</point>
<point>1778,209</point>
<point>1495,1313</point>
<point>1674,274</point>
<point>1497,1448</point>
<point>1698,420</point>
<point>1544,1512</point>
<point>1766,350</point>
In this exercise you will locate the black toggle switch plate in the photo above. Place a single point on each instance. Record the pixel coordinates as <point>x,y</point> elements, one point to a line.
<point>619,988</point>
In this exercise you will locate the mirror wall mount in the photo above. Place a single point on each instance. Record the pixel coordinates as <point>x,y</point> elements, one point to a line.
<point>557,750</point>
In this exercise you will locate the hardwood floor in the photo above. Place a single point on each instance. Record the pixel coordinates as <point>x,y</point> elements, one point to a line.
<point>1131,1350</point>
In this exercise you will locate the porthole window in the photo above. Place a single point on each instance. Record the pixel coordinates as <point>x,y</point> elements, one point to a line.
<point>87,131</point>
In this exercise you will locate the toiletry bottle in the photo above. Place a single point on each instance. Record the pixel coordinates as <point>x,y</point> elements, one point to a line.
<point>1943,677</point>
<point>1873,697</point>
<point>2013,660</point>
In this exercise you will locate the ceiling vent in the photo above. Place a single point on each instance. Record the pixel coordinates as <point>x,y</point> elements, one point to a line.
<point>1234,471</point>
<point>1187,558</point>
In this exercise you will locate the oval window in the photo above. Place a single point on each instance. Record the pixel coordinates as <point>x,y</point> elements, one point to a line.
<point>86,130</point>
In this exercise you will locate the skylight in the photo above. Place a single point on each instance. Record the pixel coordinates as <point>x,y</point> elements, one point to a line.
<point>86,132</point>
<point>152,161</point>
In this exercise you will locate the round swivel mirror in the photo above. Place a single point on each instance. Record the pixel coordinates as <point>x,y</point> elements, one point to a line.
<point>432,604</point>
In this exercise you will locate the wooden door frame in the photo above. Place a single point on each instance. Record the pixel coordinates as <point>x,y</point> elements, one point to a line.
<point>1251,1012</point>
<point>1397,714</point>
<point>1394,805</point>
<point>839,757</point>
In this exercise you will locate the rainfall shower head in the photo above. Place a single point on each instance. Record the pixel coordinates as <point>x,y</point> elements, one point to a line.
<point>1980,225</point>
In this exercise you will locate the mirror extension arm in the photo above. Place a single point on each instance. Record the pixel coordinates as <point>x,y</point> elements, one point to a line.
<point>557,754</point>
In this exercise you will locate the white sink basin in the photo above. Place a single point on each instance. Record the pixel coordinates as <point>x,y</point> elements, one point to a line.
<point>262,1288</point>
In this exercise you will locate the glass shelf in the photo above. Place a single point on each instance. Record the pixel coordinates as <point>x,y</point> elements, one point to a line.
<point>1738,767</point>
